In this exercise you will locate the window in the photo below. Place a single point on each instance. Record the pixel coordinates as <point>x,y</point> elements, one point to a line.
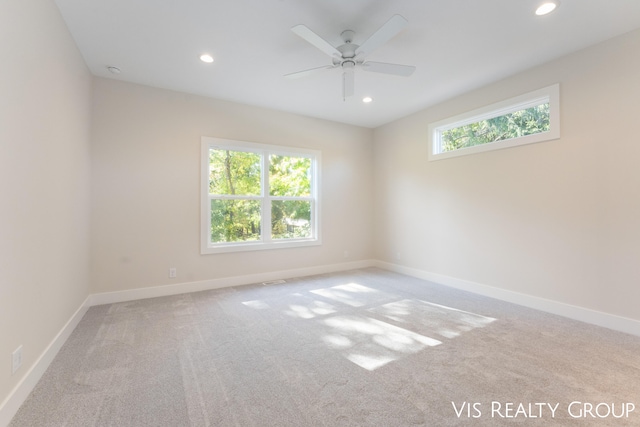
<point>533,117</point>
<point>257,196</point>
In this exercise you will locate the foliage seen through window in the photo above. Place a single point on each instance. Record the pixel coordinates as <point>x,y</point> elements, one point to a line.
<point>513,125</point>
<point>237,196</point>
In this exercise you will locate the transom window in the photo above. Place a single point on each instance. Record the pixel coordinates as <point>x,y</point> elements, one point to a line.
<point>258,196</point>
<point>533,117</point>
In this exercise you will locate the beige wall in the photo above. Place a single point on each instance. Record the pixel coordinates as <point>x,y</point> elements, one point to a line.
<point>558,220</point>
<point>44,181</point>
<point>146,183</point>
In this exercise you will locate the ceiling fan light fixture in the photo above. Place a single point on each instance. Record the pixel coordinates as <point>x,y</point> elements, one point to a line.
<point>547,7</point>
<point>205,57</point>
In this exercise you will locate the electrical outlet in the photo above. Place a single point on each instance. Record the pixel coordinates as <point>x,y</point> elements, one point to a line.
<point>172,273</point>
<point>16,359</point>
<point>398,256</point>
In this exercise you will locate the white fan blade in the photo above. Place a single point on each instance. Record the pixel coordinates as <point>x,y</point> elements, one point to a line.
<point>383,67</point>
<point>385,33</point>
<point>348,82</point>
<point>311,37</point>
<point>309,72</point>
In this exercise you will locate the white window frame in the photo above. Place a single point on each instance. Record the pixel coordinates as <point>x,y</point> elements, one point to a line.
<point>550,94</point>
<point>266,242</point>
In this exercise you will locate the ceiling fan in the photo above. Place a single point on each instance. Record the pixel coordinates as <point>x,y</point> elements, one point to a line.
<point>350,55</point>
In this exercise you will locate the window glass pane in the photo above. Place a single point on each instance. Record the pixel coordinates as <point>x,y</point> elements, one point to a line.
<point>289,176</point>
<point>235,220</point>
<point>234,172</point>
<point>513,125</point>
<point>290,219</point>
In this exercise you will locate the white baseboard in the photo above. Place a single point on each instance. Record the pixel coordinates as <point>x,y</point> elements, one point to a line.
<point>204,285</point>
<point>611,321</point>
<point>19,394</point>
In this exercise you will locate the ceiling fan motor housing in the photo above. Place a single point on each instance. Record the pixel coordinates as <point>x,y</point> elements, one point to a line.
<point>347,51</point>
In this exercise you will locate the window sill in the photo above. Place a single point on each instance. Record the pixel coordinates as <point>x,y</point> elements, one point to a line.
<point>258,246</point>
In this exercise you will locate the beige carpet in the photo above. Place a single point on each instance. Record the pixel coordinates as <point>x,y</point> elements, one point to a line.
<point>361,348</point>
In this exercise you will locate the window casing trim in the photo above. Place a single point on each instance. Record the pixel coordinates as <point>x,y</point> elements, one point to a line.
<point>550,94</point>
<point>207,247</point>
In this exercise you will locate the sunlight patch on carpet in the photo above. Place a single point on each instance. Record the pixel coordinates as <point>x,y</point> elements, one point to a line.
<point>371,343</point>
<point>445,321</point>
<point>311,310</point>
<point>257,304</point>
<point>353,294</point>
<point>386,328</point>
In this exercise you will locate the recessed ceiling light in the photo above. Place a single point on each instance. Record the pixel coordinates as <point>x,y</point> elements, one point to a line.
<point>367,99</point>
<point>114,70</point>
<point>205,57</point>
<point>546,7</point>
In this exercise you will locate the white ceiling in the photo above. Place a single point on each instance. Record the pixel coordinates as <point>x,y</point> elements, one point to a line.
<point>456,45</point>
